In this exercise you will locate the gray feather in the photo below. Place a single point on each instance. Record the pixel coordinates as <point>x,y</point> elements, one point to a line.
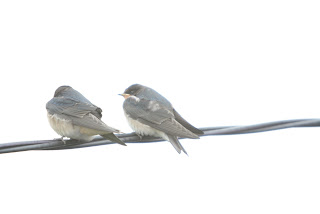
<point>144,109</point>
<point>72,107</point>
<point>176,144</point>
<point>147,93</point>
<point>92,122</point>
<point>156,115</point>
<point>171,127</point>
<point>80,114</point>
<point>185,123</point>
<point>113,138</point>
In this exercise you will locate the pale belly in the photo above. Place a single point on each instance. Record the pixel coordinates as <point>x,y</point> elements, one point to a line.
<point>66,129</point>
<point>145,130</point>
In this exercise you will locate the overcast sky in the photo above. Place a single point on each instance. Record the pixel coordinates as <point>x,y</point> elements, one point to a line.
<point>219,63</point>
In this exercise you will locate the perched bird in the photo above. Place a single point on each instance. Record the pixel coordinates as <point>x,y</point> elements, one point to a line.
<point>149,113</point>
<point>72,115</point>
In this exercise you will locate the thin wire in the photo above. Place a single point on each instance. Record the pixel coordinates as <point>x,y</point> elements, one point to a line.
<point>133,138</point>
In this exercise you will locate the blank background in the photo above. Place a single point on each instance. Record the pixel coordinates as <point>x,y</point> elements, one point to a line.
<point>220,63</point>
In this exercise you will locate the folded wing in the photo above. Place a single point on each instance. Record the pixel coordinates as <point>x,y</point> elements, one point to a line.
<point>79,113</point>
<point>157,116</point>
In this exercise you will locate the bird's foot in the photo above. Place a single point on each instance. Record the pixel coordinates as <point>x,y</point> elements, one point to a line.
<point>140,136</point>
<point>62,139</point>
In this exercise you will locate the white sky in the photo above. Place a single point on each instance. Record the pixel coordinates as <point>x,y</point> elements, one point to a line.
<point>218,62</point>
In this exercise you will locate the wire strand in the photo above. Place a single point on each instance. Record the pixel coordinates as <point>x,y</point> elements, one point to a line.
<point>133,138</point>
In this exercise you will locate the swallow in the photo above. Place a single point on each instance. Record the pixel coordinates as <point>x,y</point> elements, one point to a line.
<point>149,113</point>
<point>72,115</point>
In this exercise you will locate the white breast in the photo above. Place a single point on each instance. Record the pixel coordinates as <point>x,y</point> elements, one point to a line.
<point>145,130</point>
<point>66,129</point>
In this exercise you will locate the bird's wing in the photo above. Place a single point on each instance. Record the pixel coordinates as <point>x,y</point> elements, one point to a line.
<point>81,114</point>
<point>92,122</point>
<point>155,115</point>
<point>185,123</point>
<point>72,107</point>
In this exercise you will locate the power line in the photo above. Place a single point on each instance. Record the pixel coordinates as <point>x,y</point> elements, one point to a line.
<point>57,144</point>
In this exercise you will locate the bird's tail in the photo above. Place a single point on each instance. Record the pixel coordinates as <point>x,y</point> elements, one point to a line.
<point>113,138</point>
<point>176,144</point>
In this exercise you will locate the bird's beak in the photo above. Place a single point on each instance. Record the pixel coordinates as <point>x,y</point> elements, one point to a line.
<point>125,95</point>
